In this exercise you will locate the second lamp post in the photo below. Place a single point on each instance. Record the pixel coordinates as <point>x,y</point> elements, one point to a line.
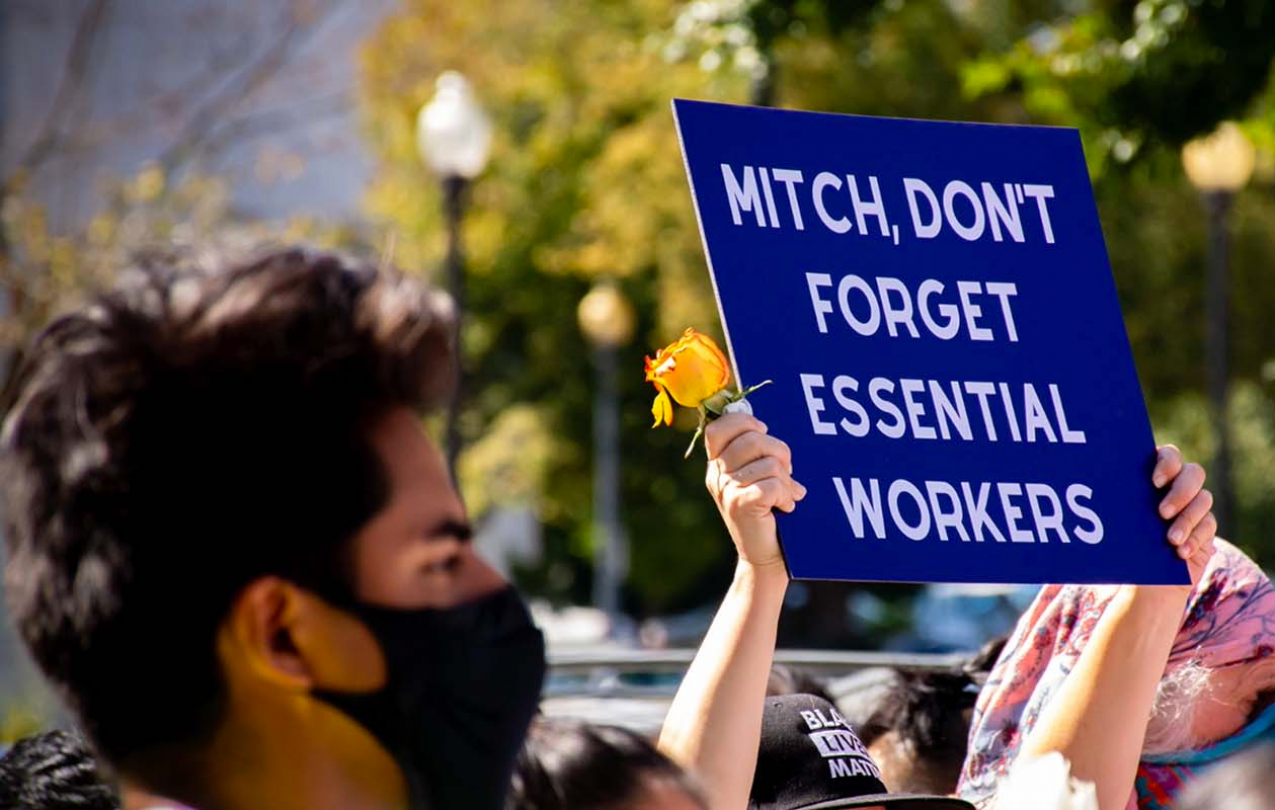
<point>607,321</point>
<point>1218,166</point>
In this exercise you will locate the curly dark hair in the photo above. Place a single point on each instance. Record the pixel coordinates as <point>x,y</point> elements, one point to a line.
<point>202,425</point>
<point>568,764</point>
<point>929,712</point>
<point>55,770</point>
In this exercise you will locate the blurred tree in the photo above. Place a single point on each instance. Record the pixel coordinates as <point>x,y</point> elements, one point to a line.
<point>1139,79</point>
<point>53,247</point>
<point>1133,78</point>
<point>43,271</point>
<point>110,150</point>
<point>586,181</point>
<point>743,36</point>
<point>1136,74</point>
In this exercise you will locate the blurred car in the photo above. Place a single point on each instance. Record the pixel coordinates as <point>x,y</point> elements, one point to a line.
<point>947,618</point>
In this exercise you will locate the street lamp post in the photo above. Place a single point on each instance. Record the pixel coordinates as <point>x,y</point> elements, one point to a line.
<point>453,136</point>
<point>607,320</point>
<point>1219,165</point>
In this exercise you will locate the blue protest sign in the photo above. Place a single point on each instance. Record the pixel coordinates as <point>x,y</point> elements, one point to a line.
<point>934,303</point>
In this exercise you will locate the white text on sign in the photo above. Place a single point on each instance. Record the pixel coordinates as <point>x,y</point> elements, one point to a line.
<point>999,211</point>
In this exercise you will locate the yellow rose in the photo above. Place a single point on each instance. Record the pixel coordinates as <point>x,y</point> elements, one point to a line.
<point>691,370</point>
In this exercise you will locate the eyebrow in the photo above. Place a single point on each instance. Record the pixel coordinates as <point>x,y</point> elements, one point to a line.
<point>451,527</point>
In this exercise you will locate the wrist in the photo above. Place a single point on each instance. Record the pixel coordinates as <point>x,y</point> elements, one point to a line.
<point>1153,605</point>
<point>1155,594</point>
<point>770,576</point>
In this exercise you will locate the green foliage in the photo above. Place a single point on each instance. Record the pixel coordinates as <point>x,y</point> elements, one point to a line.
<point>1156,231</point>
<point>44,272</point>
<point>1158,71</point>
<point>23,719</point>
<point>1185,422</point>
<point>586,183</point>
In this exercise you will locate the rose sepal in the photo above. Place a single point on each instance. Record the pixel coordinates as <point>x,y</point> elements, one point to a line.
<point>714,406</point>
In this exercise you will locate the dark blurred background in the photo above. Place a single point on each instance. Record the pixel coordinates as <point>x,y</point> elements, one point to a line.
<point>551,172</point>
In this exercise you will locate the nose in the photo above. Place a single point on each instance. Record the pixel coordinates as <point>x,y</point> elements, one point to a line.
<point>476,577</point>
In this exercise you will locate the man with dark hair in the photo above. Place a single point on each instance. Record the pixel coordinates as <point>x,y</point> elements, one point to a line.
<point>239,559</point>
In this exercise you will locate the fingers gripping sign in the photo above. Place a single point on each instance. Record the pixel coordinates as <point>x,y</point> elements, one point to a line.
<point>749,475</point>
<point>1188,504</point>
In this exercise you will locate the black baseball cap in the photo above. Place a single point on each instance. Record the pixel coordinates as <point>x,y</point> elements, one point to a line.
<point>811,759</point>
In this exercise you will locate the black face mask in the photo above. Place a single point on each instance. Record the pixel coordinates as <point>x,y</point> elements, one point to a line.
<point>462,687</point>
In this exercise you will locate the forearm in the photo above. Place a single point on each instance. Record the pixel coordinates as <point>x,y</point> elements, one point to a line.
<point>1098,718</point>
<point>713,727</point>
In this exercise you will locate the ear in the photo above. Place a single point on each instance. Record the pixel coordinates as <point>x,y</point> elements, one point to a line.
<point>260,634</point>
<point>286,636</point>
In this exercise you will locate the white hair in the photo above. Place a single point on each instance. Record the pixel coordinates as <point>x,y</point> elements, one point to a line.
<point>1178,698</point>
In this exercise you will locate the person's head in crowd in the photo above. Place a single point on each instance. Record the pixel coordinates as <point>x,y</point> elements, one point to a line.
<point>918,730</point>
<point>1214,698</point>
<point>55,770</point>
<point>811,758</point>
<point>917,734</point>
<point>1245,782</point>
<point>857,694</point>
<point>238,557</point>
<point>571,765</point>
<point>786,680</point>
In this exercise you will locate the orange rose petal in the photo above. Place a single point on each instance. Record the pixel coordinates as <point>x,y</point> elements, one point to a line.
<point>662,409</point>
<point>689,370</point>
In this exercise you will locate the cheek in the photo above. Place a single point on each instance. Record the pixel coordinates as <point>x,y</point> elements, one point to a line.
<point>1217,720</point>
<point>345,656</point>
<point>380,567</point>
